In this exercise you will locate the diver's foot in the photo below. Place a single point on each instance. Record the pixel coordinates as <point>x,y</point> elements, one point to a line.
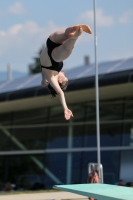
<point>71,30</point>
<point>75,28</point>
<point>77,33</point>
<point>86,28</point>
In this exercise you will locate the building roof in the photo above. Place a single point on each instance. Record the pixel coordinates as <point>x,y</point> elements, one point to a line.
<point>112,72</point>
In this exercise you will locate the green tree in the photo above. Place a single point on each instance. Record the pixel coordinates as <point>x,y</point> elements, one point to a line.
<point>35,68</point>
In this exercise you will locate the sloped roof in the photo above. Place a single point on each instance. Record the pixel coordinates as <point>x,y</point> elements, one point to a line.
<point>78,73</point>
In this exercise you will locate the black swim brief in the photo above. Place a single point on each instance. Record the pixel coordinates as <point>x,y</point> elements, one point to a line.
<point>56,66</point>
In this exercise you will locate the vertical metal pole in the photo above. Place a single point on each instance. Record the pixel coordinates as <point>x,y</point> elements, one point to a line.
<point>97,92</point>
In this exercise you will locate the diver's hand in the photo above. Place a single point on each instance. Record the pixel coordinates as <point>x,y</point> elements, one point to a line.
<point>44,83</point>
<point>67,114</point>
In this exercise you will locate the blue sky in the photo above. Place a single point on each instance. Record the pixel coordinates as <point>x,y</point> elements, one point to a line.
<point>26,24</point>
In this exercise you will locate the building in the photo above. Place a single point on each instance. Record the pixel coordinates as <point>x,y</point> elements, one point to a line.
<point>38,148</point>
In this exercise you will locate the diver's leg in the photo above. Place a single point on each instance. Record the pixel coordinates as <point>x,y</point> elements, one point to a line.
<point>64,51</point>
<point>60,36</point>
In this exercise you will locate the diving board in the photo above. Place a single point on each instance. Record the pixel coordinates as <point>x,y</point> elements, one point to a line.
<point>99,191</point>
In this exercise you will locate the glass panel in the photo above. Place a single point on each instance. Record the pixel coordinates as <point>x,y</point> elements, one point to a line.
<point>80,161</point>
<point>126,167</point>
<point>27,172</point>
<point>128,123</point>
<point>5,119</point>
<point>129,109</point>
<point>57,137</point>
<point>127,134</point>
<point>57,163</point>
<point>38,138</point>
<point>76,160</point>
<point>5,141</point>
<point>90,136</point>
<point>86,158</point>
<point>90,112</point>
<point>22,171</point>
<point>78,136</point>
<point>36,116</point>
<point>111,162</point>
<point>84,136</point>
<point>111,110</point>
<point>28,139</point>
<point>111,134</point>
<point>79,113</point>
<point>109,159</point>
<point>57,115</point>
